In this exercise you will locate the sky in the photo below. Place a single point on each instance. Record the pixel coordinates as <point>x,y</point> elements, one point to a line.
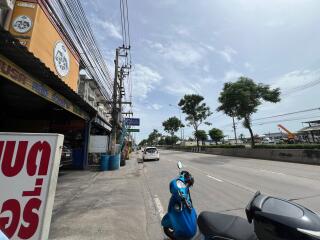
<point>187,46</point>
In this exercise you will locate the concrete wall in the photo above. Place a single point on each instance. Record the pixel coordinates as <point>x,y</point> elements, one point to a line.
<point>306,156</point>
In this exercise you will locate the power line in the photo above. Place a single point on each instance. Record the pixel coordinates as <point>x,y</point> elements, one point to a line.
<point>302,87</point>
<point>284,120</point>
<point>286,114</point>
<point>70,17</point>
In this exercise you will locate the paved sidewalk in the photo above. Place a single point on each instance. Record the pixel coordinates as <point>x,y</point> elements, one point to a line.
<point>104,205</point>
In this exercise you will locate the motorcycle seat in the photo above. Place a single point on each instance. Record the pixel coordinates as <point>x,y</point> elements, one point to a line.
<point>222,226</point>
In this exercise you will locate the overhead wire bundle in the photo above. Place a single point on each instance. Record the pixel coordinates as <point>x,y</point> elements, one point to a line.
<point>71,19</point>
<point>126,46</point>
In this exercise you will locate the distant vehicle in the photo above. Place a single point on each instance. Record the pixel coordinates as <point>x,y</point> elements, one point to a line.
<point>267,141</point>
<point>151,153</point>
<point>66,156</point>
<point>292,138</point>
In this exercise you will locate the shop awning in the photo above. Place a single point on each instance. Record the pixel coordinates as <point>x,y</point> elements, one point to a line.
<point>19,54</point>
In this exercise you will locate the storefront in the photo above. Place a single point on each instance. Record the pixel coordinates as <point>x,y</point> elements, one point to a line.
<point>34,99</point>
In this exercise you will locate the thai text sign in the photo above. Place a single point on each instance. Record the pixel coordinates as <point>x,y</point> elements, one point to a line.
<point>12,72</point>
<point>29,165</point>
<point>132,121</point>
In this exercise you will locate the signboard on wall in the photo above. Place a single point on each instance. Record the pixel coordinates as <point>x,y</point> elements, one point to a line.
<point>30,20</point>
<point>98,144</point>
<point>29,166</point>
<point>132,121</point>
<point>12,72</point>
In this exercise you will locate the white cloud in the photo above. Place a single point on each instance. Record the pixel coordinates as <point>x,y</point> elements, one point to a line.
<point>206,68</point>
<point>248,66</point>
<point>275,23</point>
<point>296,80</point>
<point>228,54</point>
<point>180,52</point>
<point>232,76</point>
<point>144,79</point>
<point>208,80</point>
<point>112,30</point>
<point>208,47</point>
<point>182,88</point>
<point>183,31</point>
<point>155,106</point>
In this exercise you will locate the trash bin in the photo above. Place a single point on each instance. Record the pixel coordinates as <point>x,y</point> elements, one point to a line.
<point>114,162</point>
<point>104,162</point>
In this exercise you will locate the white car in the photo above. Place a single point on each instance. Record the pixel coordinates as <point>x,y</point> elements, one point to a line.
<point>267,141</point>
<point>151,153</point>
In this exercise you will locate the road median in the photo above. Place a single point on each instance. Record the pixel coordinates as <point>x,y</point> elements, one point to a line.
<point>305,156</point>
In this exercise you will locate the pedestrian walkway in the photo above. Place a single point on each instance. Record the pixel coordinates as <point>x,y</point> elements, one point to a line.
<point>109,205</point>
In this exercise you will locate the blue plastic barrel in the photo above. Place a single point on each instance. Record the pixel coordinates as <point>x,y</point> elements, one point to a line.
<point>114,162</point>
<point>104,162</point>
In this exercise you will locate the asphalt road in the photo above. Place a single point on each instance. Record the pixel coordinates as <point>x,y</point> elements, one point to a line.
<point>226,184</point>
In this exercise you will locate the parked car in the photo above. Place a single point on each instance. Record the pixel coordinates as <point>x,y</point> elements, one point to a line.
<point>66,156</point>
<point>150,153</point>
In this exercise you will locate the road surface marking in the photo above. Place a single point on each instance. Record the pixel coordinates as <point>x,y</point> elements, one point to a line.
<point>158,206</point>
<point>267,171</point>
<point>217,179</point>
<point>228,181</point>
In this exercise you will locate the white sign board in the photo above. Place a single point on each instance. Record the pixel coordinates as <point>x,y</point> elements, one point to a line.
<point>29,166</point>
<point>98,144</point>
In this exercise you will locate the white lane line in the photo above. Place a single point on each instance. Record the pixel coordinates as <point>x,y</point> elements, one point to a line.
<point>217,179</point>
<point>158,206</point>
<point>267,171</point>
<point>207,174</point>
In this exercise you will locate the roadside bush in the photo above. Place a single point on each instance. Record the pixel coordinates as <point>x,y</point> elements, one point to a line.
<point>289,146</point>
<point>226,146</point>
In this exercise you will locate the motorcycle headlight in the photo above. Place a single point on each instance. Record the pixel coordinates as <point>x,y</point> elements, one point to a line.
<point>181,184</point>
<point>177,207</point>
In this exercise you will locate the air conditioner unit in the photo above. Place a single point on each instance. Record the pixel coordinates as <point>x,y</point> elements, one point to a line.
<point>7,4</point>
<point>91,97</point>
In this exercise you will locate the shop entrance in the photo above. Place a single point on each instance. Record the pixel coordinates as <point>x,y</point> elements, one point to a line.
<point>24,111</point>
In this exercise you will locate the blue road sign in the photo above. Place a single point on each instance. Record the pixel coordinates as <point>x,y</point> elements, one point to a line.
<point>132,121</point>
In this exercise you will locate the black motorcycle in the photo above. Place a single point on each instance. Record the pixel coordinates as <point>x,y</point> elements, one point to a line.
<point>268,218</point>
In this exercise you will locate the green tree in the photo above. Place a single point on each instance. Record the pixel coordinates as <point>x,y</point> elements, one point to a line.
<point>143,142</point>
<point>201,135</point>
<point>172,125</point>
<point>216,135</point>
<point>171,140</point>
<point>162,141</point>
<point>154,137</point>
<point>241,99</point>
<point>196,110</point>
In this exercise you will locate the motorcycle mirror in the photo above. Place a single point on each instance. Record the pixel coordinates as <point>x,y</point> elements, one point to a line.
<point>179,164</point>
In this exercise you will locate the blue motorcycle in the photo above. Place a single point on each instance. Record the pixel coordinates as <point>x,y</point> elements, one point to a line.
<point>180,222</point>
<point>268,218</point>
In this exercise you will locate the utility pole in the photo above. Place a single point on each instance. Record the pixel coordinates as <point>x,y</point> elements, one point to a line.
<point>235,130</point>
<point>115,113</point>
<point>117,98</point>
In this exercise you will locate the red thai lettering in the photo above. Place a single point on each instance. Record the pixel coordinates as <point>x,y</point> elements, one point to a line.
<point>44,148</point>
<point>31,219</point>
<point>7,226</point>
<point>8,168</point>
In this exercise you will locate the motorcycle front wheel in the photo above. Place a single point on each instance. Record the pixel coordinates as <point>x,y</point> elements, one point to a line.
<point>169,232</point>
